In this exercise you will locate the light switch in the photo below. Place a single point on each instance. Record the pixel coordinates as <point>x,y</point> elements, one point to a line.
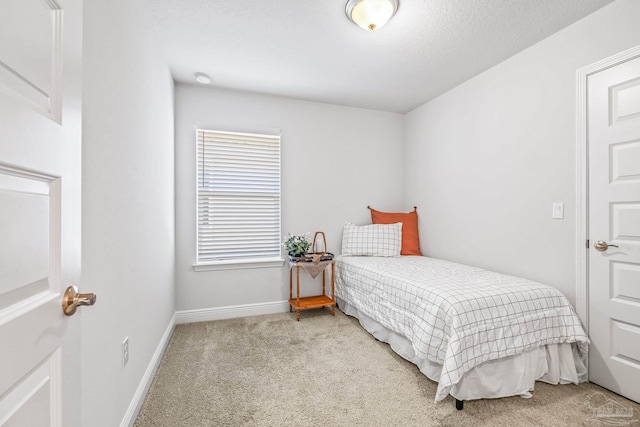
<point>558,211</point>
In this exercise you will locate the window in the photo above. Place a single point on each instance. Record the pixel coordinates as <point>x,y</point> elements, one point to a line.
<point>238,198</point>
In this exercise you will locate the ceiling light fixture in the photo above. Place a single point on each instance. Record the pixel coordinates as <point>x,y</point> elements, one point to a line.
<point>371,14</point>
<point>203,78</point>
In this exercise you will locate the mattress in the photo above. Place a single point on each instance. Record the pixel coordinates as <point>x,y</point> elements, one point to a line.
<point>456,316</point>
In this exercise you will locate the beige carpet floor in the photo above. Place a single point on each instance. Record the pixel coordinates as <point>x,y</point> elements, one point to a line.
<point>273,371</point>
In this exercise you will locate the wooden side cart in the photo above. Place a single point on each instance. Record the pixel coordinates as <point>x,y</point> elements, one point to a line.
<point>316,301</point>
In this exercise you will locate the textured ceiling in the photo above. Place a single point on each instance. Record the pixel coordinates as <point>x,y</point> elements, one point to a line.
<point>308,49</point>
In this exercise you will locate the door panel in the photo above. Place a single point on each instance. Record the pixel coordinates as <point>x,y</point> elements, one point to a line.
<point>40,140</point>
<point>624,343</point>
<point>625,280</point>
<point>625,101</point>
<point>625,222</point>
<point>625,161</point>
<point>614,217</point>
<point>31,56</point>
<point>24,221</point>
<point>23,404</point>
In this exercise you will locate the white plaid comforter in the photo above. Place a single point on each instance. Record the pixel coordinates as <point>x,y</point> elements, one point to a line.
<point>456,315</point>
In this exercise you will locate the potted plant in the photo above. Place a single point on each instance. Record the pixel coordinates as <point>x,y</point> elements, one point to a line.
<point>297,244</point>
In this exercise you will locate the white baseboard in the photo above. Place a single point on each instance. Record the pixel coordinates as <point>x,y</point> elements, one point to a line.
<point>230,312</point>
<point>145,382</point>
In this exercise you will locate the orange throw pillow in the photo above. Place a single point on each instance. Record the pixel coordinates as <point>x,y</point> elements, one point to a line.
<point>410,236</point>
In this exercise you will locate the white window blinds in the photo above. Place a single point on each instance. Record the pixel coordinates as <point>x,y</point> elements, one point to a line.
<point>238,196</point>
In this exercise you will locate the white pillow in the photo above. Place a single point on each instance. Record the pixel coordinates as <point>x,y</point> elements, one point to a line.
<point>372,240</point>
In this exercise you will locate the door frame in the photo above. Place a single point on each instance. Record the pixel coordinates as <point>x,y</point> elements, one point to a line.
<point>582,177</point>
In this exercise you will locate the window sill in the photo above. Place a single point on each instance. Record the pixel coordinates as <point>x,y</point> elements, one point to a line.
<point>238,264</point>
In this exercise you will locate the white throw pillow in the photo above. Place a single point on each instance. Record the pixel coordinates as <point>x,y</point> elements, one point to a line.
<point>372,240</point>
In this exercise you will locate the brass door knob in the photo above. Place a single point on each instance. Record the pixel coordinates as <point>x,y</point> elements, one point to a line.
<point>601,245</point>
<point>71,300</point>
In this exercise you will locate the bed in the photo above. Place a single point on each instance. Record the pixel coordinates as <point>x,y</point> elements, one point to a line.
<point>479,334</point>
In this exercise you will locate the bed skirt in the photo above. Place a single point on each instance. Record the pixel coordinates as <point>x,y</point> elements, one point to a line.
<point>509,376</point>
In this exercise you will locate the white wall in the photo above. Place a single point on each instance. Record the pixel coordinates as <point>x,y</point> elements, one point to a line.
<point>128,243</point>
<point>335,161</point>
<point>485,161</point>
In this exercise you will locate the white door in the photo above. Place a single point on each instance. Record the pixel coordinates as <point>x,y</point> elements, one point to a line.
<point>614,219</point>
<point>40,141</point>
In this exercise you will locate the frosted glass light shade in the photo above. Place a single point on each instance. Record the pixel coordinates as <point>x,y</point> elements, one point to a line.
<point>203,78</point>
<point>371,14</point>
